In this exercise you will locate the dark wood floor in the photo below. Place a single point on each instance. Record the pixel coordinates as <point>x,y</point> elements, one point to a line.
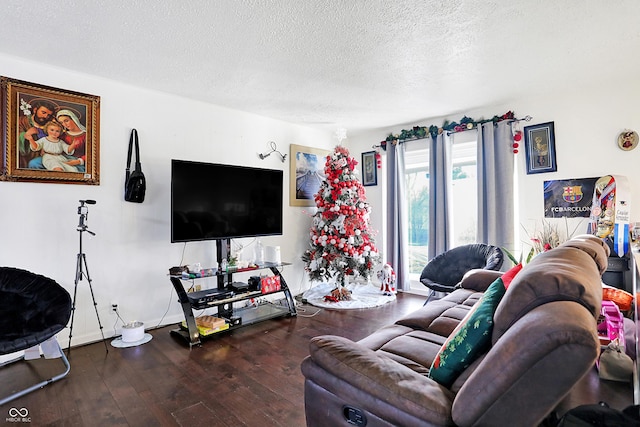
<point>247,377</point>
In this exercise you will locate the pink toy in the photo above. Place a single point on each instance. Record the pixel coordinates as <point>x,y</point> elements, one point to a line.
<point>610,324</point>
<point>388,279</point>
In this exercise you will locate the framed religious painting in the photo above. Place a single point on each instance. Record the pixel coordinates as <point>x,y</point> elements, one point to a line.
<point>540,148</point>
<point>49,135</point>
<point>306,174</point>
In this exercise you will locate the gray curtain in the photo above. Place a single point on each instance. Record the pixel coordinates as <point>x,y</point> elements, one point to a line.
<point>439,183</point>
<point>397,223</point>
<point>495,185</point>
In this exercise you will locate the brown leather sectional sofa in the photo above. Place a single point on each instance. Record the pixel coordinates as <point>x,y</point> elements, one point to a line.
<point>543,341</point>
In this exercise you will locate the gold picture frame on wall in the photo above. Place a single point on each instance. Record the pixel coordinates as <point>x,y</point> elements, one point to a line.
<point>49,135</point>
<point>306,173</point>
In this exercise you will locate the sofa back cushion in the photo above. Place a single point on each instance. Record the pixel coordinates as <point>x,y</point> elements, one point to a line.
<point>472,337</point>
<point>469,339</point>
<point>570,272</point>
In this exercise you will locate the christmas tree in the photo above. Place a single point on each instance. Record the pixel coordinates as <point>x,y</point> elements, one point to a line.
<point>341,244</point>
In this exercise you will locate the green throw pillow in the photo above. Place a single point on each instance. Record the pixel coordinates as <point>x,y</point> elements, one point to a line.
<point>472,336</point>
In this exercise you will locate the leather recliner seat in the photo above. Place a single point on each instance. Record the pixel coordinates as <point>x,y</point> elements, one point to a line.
<point>544,340</point>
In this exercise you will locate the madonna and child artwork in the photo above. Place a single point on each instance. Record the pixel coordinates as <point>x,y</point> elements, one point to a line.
<point>52,134</point>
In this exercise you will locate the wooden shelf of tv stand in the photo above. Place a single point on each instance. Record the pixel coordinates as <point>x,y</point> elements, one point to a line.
<point>248,316</point>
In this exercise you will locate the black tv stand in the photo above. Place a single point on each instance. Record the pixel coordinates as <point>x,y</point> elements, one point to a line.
<point>223,297</point>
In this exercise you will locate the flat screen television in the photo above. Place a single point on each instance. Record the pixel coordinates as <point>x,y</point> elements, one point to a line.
<point>212,201</point>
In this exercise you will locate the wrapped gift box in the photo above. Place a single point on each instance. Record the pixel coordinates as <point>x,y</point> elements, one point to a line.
<point>270,284</point>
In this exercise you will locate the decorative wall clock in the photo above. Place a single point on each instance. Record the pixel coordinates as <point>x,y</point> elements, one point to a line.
<point>628,140</point>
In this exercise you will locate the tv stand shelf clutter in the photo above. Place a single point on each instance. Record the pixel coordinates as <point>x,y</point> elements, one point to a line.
<point>223,297</point>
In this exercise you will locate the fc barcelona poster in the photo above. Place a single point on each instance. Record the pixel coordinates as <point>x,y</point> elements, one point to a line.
<point>568,198</point>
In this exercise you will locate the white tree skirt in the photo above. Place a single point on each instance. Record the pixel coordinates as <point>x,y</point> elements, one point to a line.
<point>362,296</point>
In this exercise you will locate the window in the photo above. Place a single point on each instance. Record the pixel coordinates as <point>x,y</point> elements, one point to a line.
<point>417,191</point>
<point>463,203</point>
<point>463,200</point>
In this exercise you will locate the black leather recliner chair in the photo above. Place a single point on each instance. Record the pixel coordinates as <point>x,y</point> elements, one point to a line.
<point>445,271</point>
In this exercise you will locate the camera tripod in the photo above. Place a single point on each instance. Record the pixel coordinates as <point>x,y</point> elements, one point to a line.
<point>82,270</point>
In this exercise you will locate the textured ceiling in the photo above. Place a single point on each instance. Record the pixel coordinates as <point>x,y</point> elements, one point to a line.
<point>353,64</point>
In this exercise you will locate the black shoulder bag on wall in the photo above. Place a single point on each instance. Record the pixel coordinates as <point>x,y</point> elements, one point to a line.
<point>135,184</point>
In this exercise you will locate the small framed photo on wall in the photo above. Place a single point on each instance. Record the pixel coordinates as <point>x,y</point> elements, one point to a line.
<point>540,148</point>
<point>369,169</point>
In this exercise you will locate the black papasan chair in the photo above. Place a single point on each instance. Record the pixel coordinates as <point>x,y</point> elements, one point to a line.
<point>445,271</point>
<point>33,308</point>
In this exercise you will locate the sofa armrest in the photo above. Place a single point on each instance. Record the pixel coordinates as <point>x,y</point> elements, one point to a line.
<point>478,279</point>
<point>377,378</point>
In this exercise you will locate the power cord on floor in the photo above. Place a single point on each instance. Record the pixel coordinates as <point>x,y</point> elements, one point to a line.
<point>115,310</point>
<point>301,304</point>
<point>303,310</point>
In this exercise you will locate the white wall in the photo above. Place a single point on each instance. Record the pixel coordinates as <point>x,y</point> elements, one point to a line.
<point>587,121</point>
<point>131,253</point>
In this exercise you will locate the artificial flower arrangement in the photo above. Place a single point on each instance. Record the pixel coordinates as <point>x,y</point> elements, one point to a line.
<point>543,239</point>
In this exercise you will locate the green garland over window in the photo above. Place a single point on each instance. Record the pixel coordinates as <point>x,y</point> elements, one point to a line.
<point>421,132</point>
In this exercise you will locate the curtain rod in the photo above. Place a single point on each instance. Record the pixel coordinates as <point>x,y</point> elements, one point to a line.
<point>466,123</point>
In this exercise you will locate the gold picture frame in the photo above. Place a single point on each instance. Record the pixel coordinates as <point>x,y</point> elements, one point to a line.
<point>49,135</point>
<point>306,173</point>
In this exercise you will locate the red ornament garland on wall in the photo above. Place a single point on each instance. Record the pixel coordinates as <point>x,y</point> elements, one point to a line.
<point>516,140</point>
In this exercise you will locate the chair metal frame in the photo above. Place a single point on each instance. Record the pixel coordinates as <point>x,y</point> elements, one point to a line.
<point>41,384</point>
